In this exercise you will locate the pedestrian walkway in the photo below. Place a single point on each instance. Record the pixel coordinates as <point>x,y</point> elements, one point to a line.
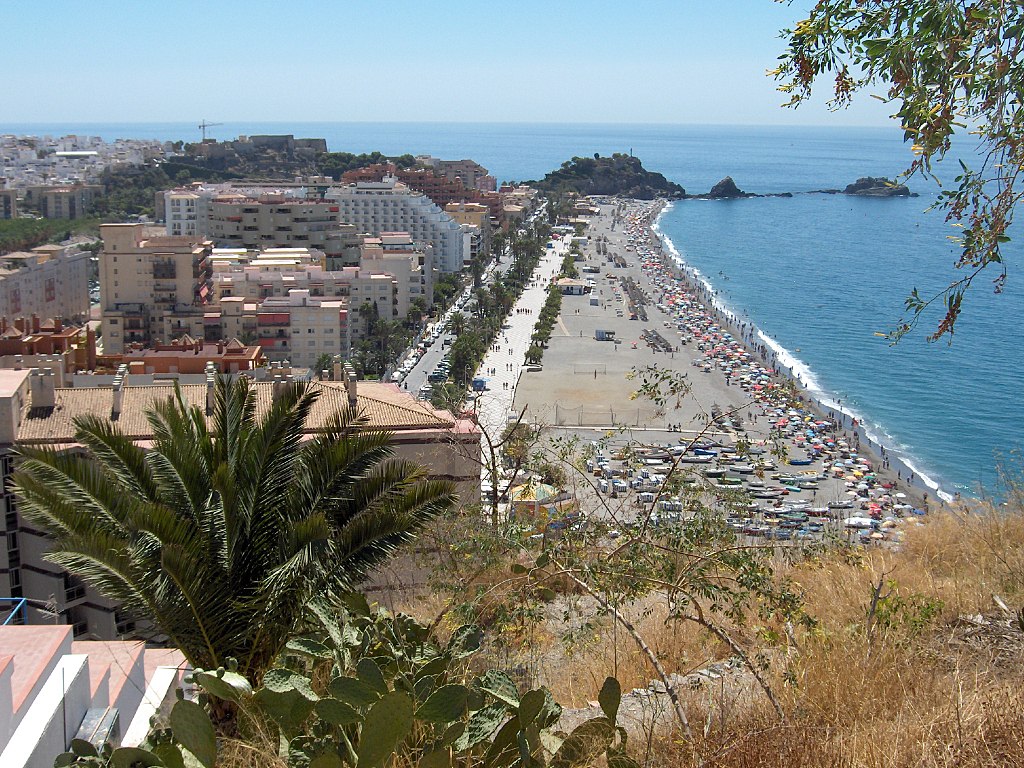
<point>494,405</point>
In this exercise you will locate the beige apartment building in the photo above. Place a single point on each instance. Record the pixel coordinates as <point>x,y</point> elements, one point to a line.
<point>67,202</point>
<point>475,215</point>
<point>276,221</point>
<point>50,281</point>
<point>152,289</point>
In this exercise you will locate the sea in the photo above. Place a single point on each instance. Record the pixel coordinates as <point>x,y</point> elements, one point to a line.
<point>821,276</point>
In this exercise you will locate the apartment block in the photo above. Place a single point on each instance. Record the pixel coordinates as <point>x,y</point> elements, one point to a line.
<point>49,281</point>
<point>411,264</point>
<point>477,216</point>
<point>276,221</point>
<point>64,202</point>
<point>152,288</point>
<point>390,206</point>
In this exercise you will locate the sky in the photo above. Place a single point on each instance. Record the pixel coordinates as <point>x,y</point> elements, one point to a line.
<point>592,61</point>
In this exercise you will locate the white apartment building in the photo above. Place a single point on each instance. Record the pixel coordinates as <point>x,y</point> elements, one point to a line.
<point>47,282</point>
<point>187,213</point>
<point>389,206</point>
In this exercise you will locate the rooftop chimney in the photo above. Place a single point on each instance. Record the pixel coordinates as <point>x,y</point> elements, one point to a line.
<point>350,385</point>
<point>118,391</point>
<point>35,323</point>
<point>43,388</point>
<point>58,324</point>
<point>211,387</point>
<point>280,385</point>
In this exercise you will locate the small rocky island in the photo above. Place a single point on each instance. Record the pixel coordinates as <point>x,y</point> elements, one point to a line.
<point>869,186</point>
<point>620,174</point>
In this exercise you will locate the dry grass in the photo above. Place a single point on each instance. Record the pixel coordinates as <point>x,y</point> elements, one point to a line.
<point>920,688</point>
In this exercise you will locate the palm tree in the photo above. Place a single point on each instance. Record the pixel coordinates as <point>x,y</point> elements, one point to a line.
<point>222,533</point>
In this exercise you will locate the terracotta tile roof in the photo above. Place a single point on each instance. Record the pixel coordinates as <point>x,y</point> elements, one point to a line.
<point>386,407</point>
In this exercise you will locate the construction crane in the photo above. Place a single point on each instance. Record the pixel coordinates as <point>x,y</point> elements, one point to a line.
<point>204,125</point>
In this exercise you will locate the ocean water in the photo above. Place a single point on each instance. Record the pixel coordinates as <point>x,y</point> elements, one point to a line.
<point>818,274</point>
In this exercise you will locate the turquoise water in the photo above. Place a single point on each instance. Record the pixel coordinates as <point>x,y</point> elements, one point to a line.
<point>818,274</point>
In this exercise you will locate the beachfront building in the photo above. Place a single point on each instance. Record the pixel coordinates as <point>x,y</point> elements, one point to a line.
<point>152,288</point>
<point>34,411</point>
<point>374,207</point>
<point>469,172</point>
<point>442,190</point>
<point>48,281</point>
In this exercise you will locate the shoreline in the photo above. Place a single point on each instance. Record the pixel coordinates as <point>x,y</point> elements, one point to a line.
<point>788,365</point>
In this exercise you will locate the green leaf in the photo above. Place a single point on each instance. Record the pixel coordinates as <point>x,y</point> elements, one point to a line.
<point>584,744</point>
<point>424,686</point>
<point>357,604</point>
<point>546,594</point>
<point>387,723</point>
<point>519,569</point>
<point>433,668</point>
<point>444,705</point>
<point>194,731</point>
<point>287,697</point>
<point>609,698</point>
<point>170,754</point>
<point>307,646</point>
<point>353,692</point>
<point>83,748</point>
<point>232,686</point>
<point>481,725</point>
<point>64,759</point>
<point>500,686</point>
<point>133,757</point>
<point>336,712</point>
<point>465,641</point>
<point>505,746</point>
<point>368,672</point>
<point>530,706</point>
<point>542,560</point>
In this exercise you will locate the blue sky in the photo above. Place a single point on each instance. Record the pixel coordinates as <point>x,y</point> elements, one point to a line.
<point>662,61</point>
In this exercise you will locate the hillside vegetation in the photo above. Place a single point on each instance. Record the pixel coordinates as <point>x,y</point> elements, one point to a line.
<point>619,174</point>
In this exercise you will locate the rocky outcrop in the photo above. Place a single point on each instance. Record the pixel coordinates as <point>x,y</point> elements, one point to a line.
<point>869,186</point>
<point>619,174</point>
<point>726,189</point>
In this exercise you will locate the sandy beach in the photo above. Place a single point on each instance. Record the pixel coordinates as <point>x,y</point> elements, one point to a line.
<point>645,312</point>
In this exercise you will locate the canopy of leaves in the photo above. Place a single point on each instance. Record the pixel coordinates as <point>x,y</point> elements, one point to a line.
<point>222,533</point>
<point>947,67</point>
